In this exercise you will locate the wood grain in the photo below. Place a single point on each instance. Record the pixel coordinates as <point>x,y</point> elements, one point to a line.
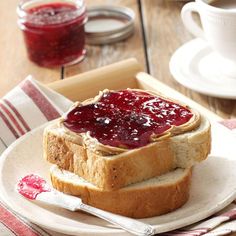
<point>118,75</point>
<point>164,33</point>
<point>98,56</point>
<point>14,64</point>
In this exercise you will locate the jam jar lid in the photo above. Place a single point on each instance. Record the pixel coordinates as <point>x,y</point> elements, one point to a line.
<point>109,24</point>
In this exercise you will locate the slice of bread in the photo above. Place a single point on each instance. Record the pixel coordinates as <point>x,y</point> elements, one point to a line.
<point>111,168</point>
<point>149,198</point>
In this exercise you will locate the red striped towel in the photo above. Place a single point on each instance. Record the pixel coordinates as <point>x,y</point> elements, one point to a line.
<point>29,105</point>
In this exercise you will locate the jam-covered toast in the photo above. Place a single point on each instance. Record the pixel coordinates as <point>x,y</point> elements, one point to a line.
<point>124,137</point>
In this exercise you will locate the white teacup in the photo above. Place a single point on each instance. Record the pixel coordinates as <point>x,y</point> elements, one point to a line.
<point>218,29</point>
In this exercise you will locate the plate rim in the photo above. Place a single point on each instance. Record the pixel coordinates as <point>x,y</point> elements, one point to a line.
<point>57,227</point>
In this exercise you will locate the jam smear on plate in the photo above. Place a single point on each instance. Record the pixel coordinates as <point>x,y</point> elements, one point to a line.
<point>31,185</point>
<point>126,118</point>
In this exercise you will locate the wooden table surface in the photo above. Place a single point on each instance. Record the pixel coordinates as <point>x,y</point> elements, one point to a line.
<point>158,33</point>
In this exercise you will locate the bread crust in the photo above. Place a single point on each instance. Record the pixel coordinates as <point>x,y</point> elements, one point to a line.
<point>110,173</point>
<point>135,202</point>
<point>112,168</point>
<point>107,172</point>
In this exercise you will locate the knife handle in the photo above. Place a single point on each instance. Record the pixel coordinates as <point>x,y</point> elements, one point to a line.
<point>133,226</point>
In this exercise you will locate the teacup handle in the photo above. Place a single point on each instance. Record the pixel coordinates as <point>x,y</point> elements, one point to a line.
<point>189,22</point>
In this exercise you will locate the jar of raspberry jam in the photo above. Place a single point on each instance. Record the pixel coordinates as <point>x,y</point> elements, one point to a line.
<point>53,31</point>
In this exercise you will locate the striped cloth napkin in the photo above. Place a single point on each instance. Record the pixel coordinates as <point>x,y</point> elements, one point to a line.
<point>29,105</point>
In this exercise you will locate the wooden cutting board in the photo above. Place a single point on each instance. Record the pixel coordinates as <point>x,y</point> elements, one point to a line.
<point>124,74</point>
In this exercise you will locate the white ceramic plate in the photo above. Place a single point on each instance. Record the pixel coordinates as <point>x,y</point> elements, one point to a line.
<point>196,66</point>
<point>212,189</point>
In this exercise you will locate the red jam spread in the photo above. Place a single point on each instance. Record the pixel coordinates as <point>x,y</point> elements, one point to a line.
<point>32,185</point>
<point>126,118</point>
<point>54,34</point>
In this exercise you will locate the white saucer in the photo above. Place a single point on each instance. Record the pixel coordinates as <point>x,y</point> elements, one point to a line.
<point>197,67</point>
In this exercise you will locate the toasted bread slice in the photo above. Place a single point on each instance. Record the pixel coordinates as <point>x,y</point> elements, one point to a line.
<point>111,168</point>
<point>149,198</point>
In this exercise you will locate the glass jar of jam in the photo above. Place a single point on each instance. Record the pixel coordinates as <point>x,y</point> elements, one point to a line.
<point>53,30</point>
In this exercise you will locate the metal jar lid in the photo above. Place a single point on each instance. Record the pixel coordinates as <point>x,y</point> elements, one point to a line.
<point>109,24</point>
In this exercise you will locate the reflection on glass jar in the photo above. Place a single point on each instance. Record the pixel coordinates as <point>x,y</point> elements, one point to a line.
<point>53,31</point>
